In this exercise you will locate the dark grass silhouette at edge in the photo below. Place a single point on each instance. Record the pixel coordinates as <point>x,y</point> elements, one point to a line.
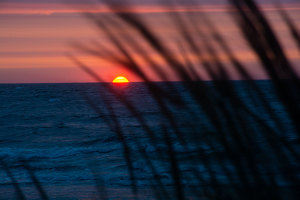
<point>261,38</point>
<point>235,135</point>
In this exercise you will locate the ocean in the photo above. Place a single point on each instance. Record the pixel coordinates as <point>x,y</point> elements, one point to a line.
<point>82,140</point>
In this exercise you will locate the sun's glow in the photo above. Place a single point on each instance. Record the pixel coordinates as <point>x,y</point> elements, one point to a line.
<point>120,79</point>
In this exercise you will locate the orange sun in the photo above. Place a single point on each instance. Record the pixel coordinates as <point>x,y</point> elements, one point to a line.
<point>120,79</point>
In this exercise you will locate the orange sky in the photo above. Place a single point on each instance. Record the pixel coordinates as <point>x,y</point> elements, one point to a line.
<point>35,39</point>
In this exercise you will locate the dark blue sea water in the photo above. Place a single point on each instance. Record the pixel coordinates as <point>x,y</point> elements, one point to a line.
<point>69,137</point>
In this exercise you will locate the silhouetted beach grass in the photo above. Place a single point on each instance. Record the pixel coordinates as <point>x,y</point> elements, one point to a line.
<point>242,156</point>
<point>236,125</point>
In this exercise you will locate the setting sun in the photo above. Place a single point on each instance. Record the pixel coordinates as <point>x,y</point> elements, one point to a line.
<point>120,79</point>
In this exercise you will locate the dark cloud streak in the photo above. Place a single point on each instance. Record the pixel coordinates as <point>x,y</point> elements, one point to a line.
<point>138,2</point>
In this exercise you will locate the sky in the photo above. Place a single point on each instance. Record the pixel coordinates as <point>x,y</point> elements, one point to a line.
<point>37,35</point>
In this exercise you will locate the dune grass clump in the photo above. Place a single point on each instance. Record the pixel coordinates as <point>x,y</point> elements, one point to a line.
<point>228,128</point>
<point>255,168</point>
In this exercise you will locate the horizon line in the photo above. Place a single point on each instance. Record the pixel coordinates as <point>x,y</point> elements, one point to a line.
<point>19,83</point>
